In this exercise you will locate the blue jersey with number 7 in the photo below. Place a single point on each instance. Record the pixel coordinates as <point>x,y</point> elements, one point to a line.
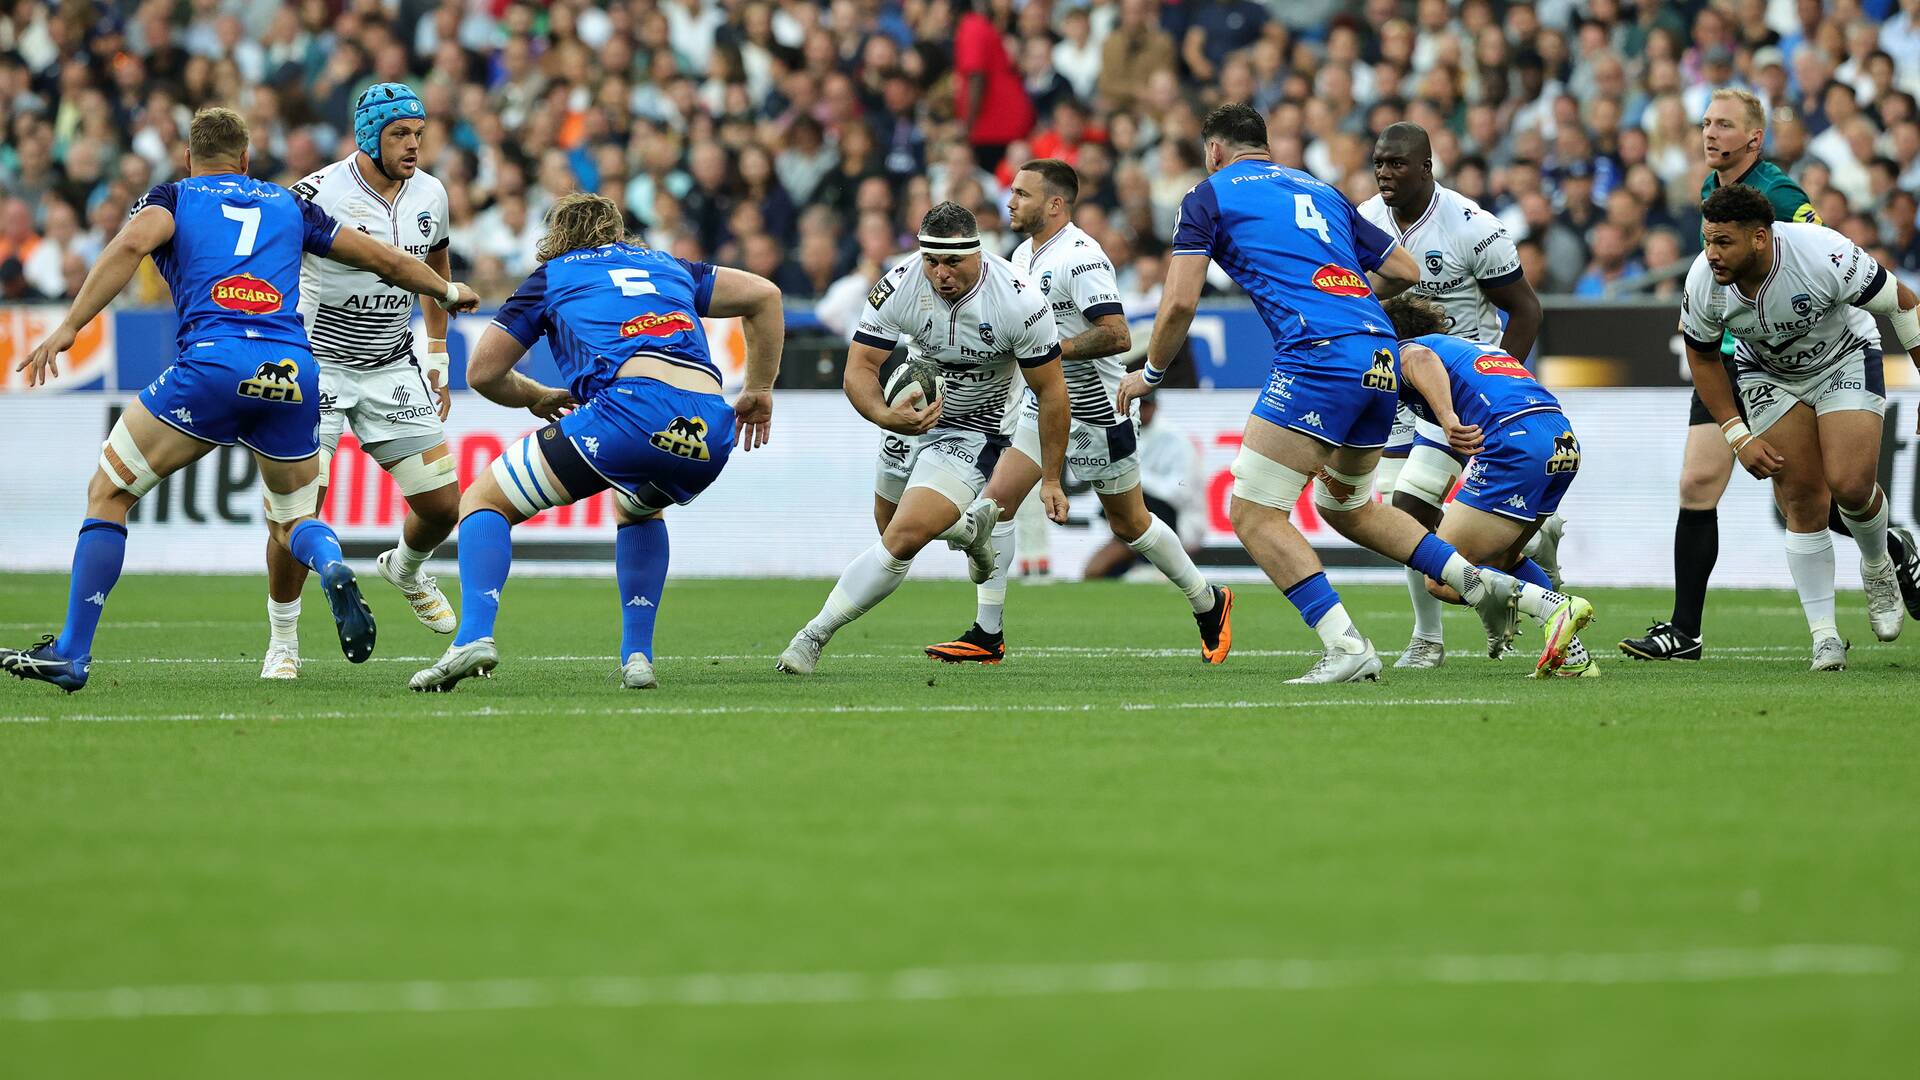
<point>233,262</point>
<point>1295,244</point>
<point>600,307</point>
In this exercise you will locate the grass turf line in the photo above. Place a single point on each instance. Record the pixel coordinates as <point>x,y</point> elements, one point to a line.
<point>342,829</point>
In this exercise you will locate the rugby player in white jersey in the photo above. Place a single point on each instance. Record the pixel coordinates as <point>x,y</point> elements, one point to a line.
<point>1076,278</point>
<point>361,330</point>
<point>1468,265</point>
<point>978,318</point>
<point>1812,383</point>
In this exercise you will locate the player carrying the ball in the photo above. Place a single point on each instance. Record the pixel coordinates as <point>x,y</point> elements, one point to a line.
<point>1077,280</point>
<point>623,322</point>
<point>1813,384</point>
<point>978,318</point>
<point>362,335</point>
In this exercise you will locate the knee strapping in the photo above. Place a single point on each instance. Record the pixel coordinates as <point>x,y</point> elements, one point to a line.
<point>124,464</point>
<point>1258,478</point>
<point>1428,476</point>
<point>1359,485</point>
<point>521,476</point>
<point>294,505</point>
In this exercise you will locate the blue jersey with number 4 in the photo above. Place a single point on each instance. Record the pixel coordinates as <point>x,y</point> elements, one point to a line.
<point>1298,248</point>
<point>600,307</point>
<point>1488,386</point>
<point>233,262</point>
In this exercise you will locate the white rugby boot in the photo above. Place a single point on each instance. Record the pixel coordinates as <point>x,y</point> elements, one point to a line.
<point>637,674</point>
<point>1829,653</point>
<point>1544,548</point>
<point>1422,653</point>
<point>477,657</point>
<point>1338,665</point>
<point>1884,609</point>
<point>423,594</point>
<point>803,653</point>
<point>283,661</point>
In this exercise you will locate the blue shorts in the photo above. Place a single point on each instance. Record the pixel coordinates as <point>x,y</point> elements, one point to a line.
<point>264,395</point>
<point>1343,392</point>
<point>655,445</point>
<point>1525,468</point>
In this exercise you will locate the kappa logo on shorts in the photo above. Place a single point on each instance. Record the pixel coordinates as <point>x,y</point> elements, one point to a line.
<point>1566,454</point>
<point>1380,376</point>
<point>273,382</point>
<point>1516,502</point>
<point>683,437</point>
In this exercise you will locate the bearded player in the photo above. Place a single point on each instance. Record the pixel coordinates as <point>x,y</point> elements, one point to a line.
<point>979,319</point>
<point>362,335</point>
<point>1732,136</point>
<point>1813,386</point>
<point>1077,280</point>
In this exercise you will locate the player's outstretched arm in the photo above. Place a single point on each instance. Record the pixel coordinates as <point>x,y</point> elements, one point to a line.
<point>1428,377</point>
<point>490,373</point>
<point>142,236</point>
<point>861,381</point>
<point>1395,275</point>
<point>1901,307</point>
<point>1179,300</point>
<point>1717,394</point>
<point>764,322</point>
<point>1049,385</point>
<point>396,267</point>
<point>1107,335</point>
<point>438,362</point>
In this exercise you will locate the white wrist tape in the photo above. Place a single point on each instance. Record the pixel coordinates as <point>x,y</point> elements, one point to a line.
<point>453,295</point>
<point>435,364</point>
<point>1906,328</point>
<point>1735,430</point>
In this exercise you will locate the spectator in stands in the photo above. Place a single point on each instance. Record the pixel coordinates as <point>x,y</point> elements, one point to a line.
<point>989,96</point>
<point>1612,262</point>
<point>45,267</point>
<point>1135,50</point>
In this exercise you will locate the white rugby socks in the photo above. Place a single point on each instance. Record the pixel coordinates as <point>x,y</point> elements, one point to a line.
<point>1810,561</point>
<point>870,578</point>
<point>1426,608</point>
<point>1337,631</point>
<point>284,619</point>
<point>1869,530</point>
<point>407,562</point>
<point>1161,546</point>
<point>991,594</point>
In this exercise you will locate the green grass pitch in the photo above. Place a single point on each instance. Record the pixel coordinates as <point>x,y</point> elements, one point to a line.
<point>1099,859</point>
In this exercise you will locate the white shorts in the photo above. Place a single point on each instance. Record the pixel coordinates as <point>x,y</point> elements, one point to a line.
<point>1401,437</point>
<point>1857,383</point>
<point>951,461</point>
<point>1106,457</point>
<point>390,410</point>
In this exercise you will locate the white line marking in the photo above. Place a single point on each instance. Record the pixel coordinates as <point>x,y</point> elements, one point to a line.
<point>267,712</point>
<point>113,625</point>
<point>946,984</point>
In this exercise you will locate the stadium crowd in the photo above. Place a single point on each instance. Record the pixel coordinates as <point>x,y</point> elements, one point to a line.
<point>804,140</point>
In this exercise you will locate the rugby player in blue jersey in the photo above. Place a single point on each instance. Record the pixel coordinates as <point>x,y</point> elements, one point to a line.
<point>229,248</point>
<point>1521,450</point>
<point>623,322</point>
<point>1312,265</point>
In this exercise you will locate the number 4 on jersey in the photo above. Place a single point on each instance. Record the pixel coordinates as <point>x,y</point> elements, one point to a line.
<point>1308,218</point>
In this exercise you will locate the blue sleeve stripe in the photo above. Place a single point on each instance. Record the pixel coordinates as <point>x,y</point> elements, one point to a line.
<point>1044,358</point>
<point>512,333</point>
<point>872,342</point>
<point>1101,311</point>
<point>1507,278</point>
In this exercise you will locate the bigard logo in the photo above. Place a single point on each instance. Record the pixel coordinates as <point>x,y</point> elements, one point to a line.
<point>683,438</point>
<point>275,381</point>
<point>247,294</point>
<point>1340,281</point>
<point>1502,364</point>
<point>1566,454</point>
<point>1380,376</point>
<point>662,325</point>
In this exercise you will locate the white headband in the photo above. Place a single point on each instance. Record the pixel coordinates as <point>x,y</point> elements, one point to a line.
<point>949,245</point>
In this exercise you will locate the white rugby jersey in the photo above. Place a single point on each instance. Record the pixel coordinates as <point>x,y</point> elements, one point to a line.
<point>976,340</point>
<point>1800,319</point>
<point>1078,281</point>
<point>1462,251</point>
<point>353,318</point>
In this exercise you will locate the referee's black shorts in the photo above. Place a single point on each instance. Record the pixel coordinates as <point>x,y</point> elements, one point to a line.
<point>1697,413</point>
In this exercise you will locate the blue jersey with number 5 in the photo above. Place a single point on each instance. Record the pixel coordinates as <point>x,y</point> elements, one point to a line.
<point>1298,248</point>
<point>233,262</point>
<point>600,307</point>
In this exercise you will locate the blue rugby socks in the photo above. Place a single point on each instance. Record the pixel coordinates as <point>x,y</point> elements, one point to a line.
<point>640,552</point>
<point>314,543</point>
<point>97,557</point>
<point>1321,608</point>
<point>486,554</point>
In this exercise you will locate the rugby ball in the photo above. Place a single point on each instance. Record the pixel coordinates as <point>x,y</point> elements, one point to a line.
<point>899,378</point>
